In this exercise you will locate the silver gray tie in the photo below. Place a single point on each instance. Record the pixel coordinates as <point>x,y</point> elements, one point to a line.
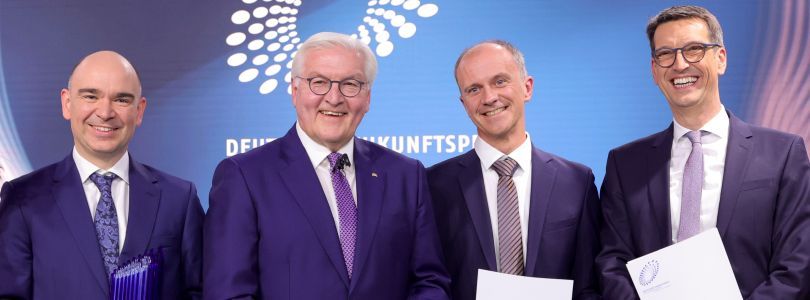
<point>692,189</point>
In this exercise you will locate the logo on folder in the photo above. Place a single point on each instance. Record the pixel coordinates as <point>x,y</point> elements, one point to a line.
<point>648,273</point>
<point>267,37</point>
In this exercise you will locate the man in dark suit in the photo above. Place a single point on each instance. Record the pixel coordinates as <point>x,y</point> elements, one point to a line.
<point>707,170</point>
<point>539,216</point>
<point>65,227</point>
<point>318,213</point>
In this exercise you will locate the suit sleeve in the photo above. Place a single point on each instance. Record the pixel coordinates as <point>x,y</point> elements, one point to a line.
<point>616,241</point>
<point>586,285</point>
<point>192,245</point>
<point>15,248</point>
<point>230,237</point>
<point>429,276</point>
<point>790,263</point>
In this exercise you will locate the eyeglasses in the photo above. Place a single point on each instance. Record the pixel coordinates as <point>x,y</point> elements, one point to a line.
<point>692,53</point>
<point>347,87</point>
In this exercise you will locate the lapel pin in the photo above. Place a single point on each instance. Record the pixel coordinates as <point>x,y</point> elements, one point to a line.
<point>373,174</point>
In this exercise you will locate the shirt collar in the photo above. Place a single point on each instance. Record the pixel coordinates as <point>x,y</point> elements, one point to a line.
<point>317,153</point>
<point>86,168</point>
<point>488,154</point>
<point>717,125</point>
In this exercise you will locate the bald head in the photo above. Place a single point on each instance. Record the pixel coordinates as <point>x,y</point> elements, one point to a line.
<point>106,61</point>
<point>104,105</point>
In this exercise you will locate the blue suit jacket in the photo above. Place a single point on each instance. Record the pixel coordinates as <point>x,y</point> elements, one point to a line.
<point>763,219</point>
<point>563,236</point>
<point>269,232</point>
<point>48,245</point>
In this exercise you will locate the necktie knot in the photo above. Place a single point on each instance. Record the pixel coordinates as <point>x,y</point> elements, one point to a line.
<point>694,136</point>
<point>337,161</point>
<point>505,167</point>
<point>103,182</point>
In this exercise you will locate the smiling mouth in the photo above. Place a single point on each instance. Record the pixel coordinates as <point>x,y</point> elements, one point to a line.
<point>682,82</point>
<point>103,128</point>
<point>494,112</point>
<point>332,113</point>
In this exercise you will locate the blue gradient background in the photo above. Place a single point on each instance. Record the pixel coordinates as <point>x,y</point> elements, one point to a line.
<point>590,61</point>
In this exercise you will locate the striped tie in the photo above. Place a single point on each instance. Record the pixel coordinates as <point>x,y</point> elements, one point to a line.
<point>510,240</point>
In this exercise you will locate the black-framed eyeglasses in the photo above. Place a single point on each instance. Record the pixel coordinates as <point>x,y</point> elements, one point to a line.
<point>347,87</point>
<point>692,53</point>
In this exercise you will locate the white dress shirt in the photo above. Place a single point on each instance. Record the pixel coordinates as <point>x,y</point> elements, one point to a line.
<point>714,142</point>
<point>522,178</point>
<point>120,189</point>
<point>318,155</point>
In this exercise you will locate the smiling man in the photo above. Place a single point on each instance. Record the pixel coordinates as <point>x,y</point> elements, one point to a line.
<point>318,213</point>
<point>707,170</point>
<point>507,206</point>
<point>64,228</point>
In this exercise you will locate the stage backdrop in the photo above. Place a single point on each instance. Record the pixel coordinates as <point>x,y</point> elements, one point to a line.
<point>216,72</point>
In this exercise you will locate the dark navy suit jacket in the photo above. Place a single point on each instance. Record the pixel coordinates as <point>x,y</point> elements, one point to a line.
<point>270,234</point>
<point>563,236</point>
<point>48,244</point>
<point>763,219</point>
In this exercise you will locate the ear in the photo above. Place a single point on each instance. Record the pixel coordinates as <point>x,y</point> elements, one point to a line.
<point>141,108</point>
<point>368,102</point>
<point>65,96</point>
<point>294,91</point>
<point>652,70</point>
<point>528,84</point>
<point>721,60</point>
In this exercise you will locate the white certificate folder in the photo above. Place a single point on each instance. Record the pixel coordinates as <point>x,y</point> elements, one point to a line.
<point>499,286</point>
<point>696,268</point>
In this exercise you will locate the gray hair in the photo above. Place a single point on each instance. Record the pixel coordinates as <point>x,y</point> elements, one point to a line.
<point>329,40</point>
<point>516,55</point>
<point>676,13</point>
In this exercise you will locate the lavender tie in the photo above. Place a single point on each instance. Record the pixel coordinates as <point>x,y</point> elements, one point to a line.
<point>692,189</point>
<point>510,239</point>
<point>106,221</point>
<point>347,210</point>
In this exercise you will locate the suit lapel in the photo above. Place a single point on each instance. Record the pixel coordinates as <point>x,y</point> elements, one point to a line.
<point>370,199</point>
<point>543,175</point>
<point>737,160</point>
<point>471,181</point>
<point>144,199</point>
<point>69,196</point>
<point>658,186</point>
<point>301,180</point>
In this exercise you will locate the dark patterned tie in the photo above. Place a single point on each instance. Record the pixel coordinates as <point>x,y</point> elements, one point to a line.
<point>347,210</point>
<point>689,224</point>
<point>510,239</point>
<point>106,221</point>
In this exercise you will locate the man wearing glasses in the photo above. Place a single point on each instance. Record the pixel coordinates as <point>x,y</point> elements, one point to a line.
<point>318,213</point>
<point>708,169</point>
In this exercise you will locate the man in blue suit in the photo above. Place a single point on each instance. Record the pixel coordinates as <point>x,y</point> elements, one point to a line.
<point>318,213</point>
<point>65,227</point>
<point>507,206</point>
<point>707,170</point>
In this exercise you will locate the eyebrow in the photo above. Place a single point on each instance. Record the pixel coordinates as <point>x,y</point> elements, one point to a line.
<point>88,90</point>
<point>124,95</point>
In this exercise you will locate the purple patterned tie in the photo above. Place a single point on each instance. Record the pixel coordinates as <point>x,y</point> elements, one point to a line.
<point>692,188</point>
<point>106,221</point>
<point>510,239</point>
<point>347,210</point>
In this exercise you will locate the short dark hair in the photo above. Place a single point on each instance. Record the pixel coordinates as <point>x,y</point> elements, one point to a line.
<point>685,12</point>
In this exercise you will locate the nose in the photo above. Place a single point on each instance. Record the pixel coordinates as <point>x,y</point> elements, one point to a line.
<point>680,62</point>
<point>490,96</point>
<point>104,109</point>
<point>333,96</point>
